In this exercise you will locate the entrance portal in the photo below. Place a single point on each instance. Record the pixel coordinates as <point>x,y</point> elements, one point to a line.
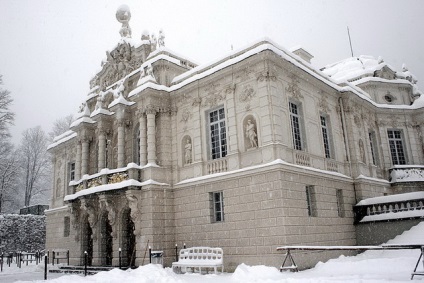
<point>128,239</point>
<point>87,242</point>
<point>106,241</point>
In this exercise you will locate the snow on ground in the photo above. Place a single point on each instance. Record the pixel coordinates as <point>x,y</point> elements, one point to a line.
<point>370,266</point>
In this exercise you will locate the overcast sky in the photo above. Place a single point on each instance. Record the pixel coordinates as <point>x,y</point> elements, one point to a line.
<point>49,50</point>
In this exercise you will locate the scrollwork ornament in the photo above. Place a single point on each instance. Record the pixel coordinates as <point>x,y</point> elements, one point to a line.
<point>247,94</point>
<point>186,115</point>
<point>293,88</point>
<point>266,76</point>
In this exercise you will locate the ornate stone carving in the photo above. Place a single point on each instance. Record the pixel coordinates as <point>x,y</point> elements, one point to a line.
<point>266,76</point>
<point>135,211</point>
<point>187,150</point>
<point>323,102</point>
<point>231,88</point>
<point>245,73</point>
<point>293,88</point>
<point>117,178</point>
<point>197,101</point>
<point>123,15</point>
<point>213,96</point>
<point>75,219</point>
<point>106,203</point>
<point>251,137</point>
<point>94,182</point>
<point>92,216</point>
<point>186,115</point>
<point>247,94</point>
<point>79,187</point>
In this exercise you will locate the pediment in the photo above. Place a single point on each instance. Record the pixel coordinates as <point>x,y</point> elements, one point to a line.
<point>385,73</point>
<point>120,62</point>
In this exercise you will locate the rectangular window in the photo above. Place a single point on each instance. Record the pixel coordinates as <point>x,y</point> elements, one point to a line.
<point>374,148</point>
<point>339,197</point>
<point>325,127</point>
<point>218,133</point>
<point>296,125</point>
<point>71,171</point>
<point>217,205</point>
<point>67,226</point>
<point>311,201</point>
<point>396,147</point>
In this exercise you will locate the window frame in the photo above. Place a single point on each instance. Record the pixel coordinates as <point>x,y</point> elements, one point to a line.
<point>217,133</point>
<point>327,137</point>
<point>297,126</point>
<point>340,203</point>
<point>66,226</point>
<point>394,149</point>
<point>372,136</point>
<point>217,206</point>
<point>311,201</point>
<point>71,171</point>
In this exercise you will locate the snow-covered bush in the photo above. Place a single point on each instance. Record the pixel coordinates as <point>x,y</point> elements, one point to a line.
<point>22,232</point>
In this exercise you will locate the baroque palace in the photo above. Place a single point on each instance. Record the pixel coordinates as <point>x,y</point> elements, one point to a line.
<point>256,150</point>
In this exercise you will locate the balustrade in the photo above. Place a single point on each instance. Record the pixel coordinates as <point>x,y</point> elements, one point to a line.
<point>217,166</point>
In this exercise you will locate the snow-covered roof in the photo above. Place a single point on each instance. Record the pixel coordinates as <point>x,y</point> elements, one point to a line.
<point>62,138</point>
<point>355,67</point>
<point>110,187</point>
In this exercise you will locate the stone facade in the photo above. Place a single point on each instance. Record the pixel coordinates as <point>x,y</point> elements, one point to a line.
<point>249,153</point>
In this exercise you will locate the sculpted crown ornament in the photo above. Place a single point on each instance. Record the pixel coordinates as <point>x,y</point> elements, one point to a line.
<point>123,15</point>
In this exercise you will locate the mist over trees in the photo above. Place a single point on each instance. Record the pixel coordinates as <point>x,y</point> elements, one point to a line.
<point>34,163</point>
<point>25,168</point>
<point>6,115</point>
<point>60,126</point>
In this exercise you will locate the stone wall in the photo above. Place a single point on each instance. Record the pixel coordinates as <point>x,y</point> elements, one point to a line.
<point>376,233</point>
<point>263,210</point>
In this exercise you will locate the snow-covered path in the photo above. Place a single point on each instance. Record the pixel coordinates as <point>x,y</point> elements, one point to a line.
<point>369,267</point>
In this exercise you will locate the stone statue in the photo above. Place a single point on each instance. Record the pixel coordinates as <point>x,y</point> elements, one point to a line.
<point>187,149</point>
<point>251,133</point>
<point>362,151</point>
<point>161,39</point>
<point>123,15</point>
<point>150,71</point>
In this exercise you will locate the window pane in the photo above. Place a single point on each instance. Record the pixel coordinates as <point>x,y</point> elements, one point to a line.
<point>218,134</point>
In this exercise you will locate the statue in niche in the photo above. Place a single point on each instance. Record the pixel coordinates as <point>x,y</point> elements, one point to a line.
<point>187,151</point>
<point>250,131</point>
<point>362,151</point>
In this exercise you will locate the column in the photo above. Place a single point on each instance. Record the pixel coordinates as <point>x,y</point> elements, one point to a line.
<point>84,156</point>
<point>78,162</point>
<point>143,141</point>
<point>151,136</point>
<point>121,143</point>
<point>102,150</point>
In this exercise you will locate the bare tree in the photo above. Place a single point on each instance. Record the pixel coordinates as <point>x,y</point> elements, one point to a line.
<point>8,176</point>
<point>60,126</point>
<point>35,163</point>
<point>6,116</point>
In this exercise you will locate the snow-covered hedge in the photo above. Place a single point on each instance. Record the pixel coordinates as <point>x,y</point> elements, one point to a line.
<point>22,232</point>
